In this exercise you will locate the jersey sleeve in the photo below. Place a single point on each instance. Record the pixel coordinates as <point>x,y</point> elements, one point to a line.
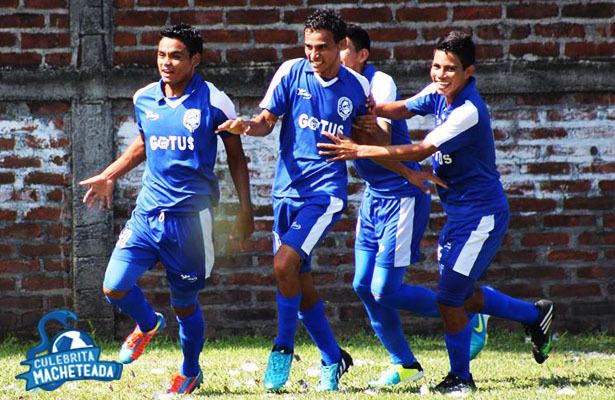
<point>222,106</point>
<point>454,133</point>
<point>423,103</point>
<point>135,102</point>
<point>383,90</point>
<point>277,97</point>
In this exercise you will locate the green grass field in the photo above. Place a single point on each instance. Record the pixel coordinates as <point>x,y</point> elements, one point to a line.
<point>581,367</point>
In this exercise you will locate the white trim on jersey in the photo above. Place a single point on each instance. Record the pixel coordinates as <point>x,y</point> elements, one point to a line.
<point>383,90</point>
<point>324,83</point>
<point>206,219</point>
<point>427,90</point>
<point>362,80</point>
<point>176,102</point>
<point>460,120</point>
<point>405,230</point>
<point>471,249</point>
<point>322,222</point>
<point>140,91</point>
<point>220,100</point>
<point>277,78</point>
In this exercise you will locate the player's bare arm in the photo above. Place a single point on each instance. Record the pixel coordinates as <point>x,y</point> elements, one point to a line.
<point>380,135</point>
<point>394,110</point>
<point>100,187</point>
<point>344,148</point>
<point>261,125</point>
<point>237,163</point>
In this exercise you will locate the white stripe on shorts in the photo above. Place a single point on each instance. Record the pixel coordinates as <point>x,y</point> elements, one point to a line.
<point>403,238</point>
<point>321,224</point>
<point>471,249</point>
<point>206,218</point>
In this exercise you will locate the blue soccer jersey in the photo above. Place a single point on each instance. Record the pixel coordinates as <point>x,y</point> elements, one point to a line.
<point>310,105</point>
<point>382,182</point>
<point>181,146</point>
<point>465,159</point>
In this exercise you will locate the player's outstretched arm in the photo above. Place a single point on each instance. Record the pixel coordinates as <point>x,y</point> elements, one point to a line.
<point>394,110</point>
<point>261,125</point>
<point>237,163</point>
<point>100,187</point>
<point>343,148</point>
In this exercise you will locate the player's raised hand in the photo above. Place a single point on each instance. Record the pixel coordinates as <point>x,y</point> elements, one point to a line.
<point>235,126</point>
<point>100,190</point>
<point>342,148</point>
<point>420,178</point>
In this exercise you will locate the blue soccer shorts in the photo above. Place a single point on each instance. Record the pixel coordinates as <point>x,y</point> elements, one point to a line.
<point>392,228</point>
<point>182,242</point>
<point>467,246</point>
<point>302,223</point>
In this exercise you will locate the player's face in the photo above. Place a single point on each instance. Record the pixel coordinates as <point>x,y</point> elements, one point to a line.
<point>175,65</point>
<point>322,52</point>
<point>350,57</point>
<point>448,74</point>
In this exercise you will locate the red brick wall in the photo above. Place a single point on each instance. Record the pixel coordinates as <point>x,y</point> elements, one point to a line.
<point>35,33</point>
<point>35,214</point>
<point>555,151</point>
<point>270,30</point>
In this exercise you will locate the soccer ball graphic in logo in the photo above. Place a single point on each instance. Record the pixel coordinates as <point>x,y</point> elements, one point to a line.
<point>71,340</point>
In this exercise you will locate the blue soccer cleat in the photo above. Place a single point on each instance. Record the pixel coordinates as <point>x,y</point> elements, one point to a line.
<point>135,343</point>
<point>330,374</point>
<point>181,384</point>
<point>399,374</point>
<point>278,367</point>
<point>479,334</point>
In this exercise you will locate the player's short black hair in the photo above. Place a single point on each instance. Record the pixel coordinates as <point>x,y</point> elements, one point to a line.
<point>187,34</point>
<point>359,37</point>
<point>460,44</point>
<point>325,19</point>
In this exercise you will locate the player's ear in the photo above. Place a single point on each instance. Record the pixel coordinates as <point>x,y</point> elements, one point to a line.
<point>363,55</point>
<point>468,72</point>
<point>195,59</point>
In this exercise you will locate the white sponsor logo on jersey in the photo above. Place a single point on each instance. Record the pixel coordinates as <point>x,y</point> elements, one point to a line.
<point>301,92</point>
<point>192,119</point>
<point>322,125</point>
<point>295,225</point>
<point>442,159</point>
<point>171,142</point>
<point>151,116</point>
<point>344,107</point>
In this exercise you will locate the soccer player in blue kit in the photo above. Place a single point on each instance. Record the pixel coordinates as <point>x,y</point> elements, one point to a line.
<point>313,95</point>
<point>391,222</point>
<point>172,222</point>
<point>463,155</point>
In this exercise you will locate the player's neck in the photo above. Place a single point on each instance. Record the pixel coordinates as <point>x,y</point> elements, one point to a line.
<point>175,90</point>
<point>330,73</point>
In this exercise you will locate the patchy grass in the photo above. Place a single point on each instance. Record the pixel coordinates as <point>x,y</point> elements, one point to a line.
<point>581,367</point>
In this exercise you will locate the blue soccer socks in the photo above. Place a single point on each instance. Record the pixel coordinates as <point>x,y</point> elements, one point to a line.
<point>458,347</point>
<point>501,305</point>
<point>191,338</point>
<point>288,307</point>
<point>135,305</point>
<point>315,322</point>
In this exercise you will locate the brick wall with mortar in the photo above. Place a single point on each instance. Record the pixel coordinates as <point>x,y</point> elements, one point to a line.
<point>545,69</point>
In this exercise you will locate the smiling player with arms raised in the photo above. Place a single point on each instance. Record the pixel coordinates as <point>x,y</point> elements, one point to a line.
<point>463,155</point>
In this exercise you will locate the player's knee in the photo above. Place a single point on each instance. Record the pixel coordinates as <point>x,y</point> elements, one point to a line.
<point>184,311</point>
<point>454,318</point>
<point>283,268</point>
<point>111,294</point>
<point>363,291</point>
